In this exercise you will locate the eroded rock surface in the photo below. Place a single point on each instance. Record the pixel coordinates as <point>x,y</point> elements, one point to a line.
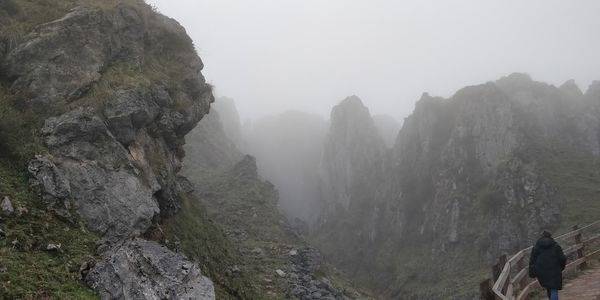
<point>118,88</point>
<point>140,269</point>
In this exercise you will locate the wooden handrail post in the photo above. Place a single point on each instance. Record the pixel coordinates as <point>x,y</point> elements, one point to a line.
<point>580,251</point>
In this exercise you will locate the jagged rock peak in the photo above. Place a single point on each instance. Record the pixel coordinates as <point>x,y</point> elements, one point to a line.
<point>350,113</point>
<point>352,149</point>
<point>571,88</point>
<point>593,90</point>
<point>515,78</point>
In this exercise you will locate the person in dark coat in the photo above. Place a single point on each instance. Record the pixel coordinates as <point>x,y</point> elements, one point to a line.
<point>546,263</point>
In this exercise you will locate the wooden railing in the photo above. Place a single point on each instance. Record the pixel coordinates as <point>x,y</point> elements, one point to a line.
<point>510,280</point>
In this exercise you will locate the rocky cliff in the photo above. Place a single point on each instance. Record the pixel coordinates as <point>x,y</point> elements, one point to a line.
<point>109,91</point>
<point>353,149</point>
<point>471,177</point>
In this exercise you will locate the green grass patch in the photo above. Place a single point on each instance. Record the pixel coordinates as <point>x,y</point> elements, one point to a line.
<point>204,242</point>
<point>27,270</point>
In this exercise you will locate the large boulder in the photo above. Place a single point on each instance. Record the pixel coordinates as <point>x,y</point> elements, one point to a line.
<point>61,59</point>
<point>141,269</point>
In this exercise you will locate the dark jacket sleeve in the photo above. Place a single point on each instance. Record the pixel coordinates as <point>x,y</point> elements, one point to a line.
<point>562,258</point>
<point>532,259</point>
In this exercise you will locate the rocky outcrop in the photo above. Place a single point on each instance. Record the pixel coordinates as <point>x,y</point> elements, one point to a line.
<point>118,88</point>
<point>119,161</point>
<point>61,59</point>
<point>353,150</point>
<point>140,269</point>
<point>304,285</point>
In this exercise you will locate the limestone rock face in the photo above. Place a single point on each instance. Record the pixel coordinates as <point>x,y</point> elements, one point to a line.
<point>61,59</point>
<point>140,269</point>
<point>52,185</point>
<point>119,160</point>
<point>117,88</point>
<point>352,150</point>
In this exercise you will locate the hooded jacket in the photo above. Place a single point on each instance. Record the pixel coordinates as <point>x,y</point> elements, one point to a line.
<point>547,262</point>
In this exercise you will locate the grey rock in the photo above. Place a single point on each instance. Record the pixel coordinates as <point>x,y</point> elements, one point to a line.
<point>114,161</point>
<point>51,184</point>
<point>99,174</point>
<point>299,291</point>
<point>129,111</point>
<point>61,59</point>
<point>53,247</point>
<point>352,150</point>
<point>280,273</point>
<point>6,206</point>
<point>140,269</point>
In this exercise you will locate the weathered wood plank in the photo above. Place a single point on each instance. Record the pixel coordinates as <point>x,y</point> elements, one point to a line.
<point>515,258</point>
<point>573,249</point>
<point>574,264</point>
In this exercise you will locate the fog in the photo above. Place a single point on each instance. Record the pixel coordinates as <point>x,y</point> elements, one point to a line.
<point>288,149</point>
<point>287,63</point>
<point>273,55</point>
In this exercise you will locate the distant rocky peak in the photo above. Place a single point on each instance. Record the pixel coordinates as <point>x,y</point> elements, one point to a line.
<point>571,89</point>
<point>352,128</point>
<point>349,107</point>
<point>515,79</point>
<point>594,90</point>
<point>352,149</point>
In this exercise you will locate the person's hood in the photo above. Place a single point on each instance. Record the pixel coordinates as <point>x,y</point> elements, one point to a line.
<point>546,242</point>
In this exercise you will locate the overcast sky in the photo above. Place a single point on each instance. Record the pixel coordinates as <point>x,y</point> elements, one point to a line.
<point>275,55</point>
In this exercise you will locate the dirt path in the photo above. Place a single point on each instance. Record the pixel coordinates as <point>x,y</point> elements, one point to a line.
<point>585,287</point>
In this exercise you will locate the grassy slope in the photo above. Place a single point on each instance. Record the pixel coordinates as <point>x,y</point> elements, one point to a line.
<point>249,205</point>
<point>232,202</point>
<point>204,242</point>
<point>27,270</point>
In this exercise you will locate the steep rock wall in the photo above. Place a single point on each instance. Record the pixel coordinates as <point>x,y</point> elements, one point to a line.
<point>119,86</point>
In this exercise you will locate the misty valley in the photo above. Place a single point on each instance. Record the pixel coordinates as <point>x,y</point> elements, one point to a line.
<point>130,168</point>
